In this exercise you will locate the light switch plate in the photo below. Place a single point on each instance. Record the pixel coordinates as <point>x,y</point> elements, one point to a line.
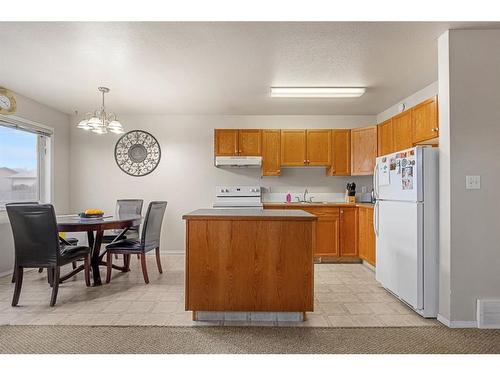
<point>472,182</point>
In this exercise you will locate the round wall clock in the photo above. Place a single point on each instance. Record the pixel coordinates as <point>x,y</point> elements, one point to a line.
<point>7,102</point>
<point>137,153</point>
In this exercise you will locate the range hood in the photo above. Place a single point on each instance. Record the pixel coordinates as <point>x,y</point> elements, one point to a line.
<point>238,161</point>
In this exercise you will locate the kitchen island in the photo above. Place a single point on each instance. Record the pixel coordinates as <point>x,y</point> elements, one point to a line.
<point>249,260</point>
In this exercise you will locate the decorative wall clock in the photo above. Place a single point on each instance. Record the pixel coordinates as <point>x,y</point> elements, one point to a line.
<point>137,153</point>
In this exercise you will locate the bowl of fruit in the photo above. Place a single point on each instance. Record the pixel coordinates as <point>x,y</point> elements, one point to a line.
<point>91,213</point>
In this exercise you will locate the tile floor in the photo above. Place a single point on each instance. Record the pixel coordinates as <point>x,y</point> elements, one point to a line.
<point>346,295</point>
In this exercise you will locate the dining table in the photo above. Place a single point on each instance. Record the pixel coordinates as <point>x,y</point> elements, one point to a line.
<point>95,227</point>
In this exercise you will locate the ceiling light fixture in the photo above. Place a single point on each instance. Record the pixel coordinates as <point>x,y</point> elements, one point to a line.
<point>317,92</point>
<point>100,121</point>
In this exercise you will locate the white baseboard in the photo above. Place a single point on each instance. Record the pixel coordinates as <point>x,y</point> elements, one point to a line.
<point>457,323</point>
<point>5,273</point>
<point>176,252</point>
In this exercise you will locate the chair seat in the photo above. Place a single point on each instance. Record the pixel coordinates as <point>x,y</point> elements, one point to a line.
<point>70,253</point>
<point>126,245</point>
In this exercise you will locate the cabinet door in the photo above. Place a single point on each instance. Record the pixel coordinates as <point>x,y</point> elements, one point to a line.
<point>341,153</point>
<point>271,161</point>
<point>385,138</point>
<point>401,126</point>
<point>226,142</point>
<point>366,235</point>
<point>327,231</point>
<point>363,150</point>
<point>425,121</point>
<point>293,148</point>
<point>349,232</point>
<point>249,143</point>
<point>319,147</point>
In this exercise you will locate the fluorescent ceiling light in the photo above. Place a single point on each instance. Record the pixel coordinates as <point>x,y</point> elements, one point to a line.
<point>317,92</point>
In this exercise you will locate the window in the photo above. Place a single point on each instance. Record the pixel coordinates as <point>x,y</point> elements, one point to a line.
<point>24,166</point>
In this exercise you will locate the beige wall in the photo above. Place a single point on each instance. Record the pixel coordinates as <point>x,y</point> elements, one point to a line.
<point>186,176</point>
<point>473,131</point>
<point>410,101</point>
<point>31,110</point>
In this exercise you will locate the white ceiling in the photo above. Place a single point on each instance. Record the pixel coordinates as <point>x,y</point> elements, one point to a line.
<point>218,68</point>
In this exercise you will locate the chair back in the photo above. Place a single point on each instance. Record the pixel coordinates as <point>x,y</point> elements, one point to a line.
<point>129,207</point>
<point>151,229</point>
<point>36,239</point>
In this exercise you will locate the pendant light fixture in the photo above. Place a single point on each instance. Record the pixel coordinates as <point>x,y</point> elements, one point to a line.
<point>100,121</point>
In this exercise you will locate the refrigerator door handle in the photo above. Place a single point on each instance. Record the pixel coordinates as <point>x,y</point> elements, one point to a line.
<point>375,181</point>
<point>375,218</point>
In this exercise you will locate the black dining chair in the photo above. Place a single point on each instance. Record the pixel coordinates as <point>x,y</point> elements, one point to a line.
<point>37,244</point>
<point>125,207</point>
<point>67,241</point>
<point>150,240</point>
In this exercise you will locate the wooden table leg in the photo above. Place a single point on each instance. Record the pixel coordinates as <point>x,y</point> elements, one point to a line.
<point>95,245</point>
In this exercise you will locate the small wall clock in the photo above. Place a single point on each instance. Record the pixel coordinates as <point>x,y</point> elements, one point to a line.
<point>7,102</point>
<point>137,153</point>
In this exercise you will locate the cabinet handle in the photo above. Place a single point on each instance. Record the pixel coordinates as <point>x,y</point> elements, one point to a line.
<point>435,129</point>
<point>305,161</point>
<point>341,211</point>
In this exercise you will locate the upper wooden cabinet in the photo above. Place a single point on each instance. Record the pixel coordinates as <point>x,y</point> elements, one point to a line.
<point>249,142</point>
<point>293,148</point>
<point>271,152</point>
<point>425,121</point>
<point>232,142</point>
<point>363,150</point>
<point>385,138</point>
<point>319,147</point>
<point>341,153</point>
<point>402,132</point>
<point>226,142</point>
<point>349,231</point>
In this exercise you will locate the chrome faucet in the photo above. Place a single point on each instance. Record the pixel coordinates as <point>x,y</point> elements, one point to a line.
<point>305,193</point>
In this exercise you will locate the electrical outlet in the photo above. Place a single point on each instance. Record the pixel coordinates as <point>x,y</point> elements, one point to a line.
<point>472,182</point>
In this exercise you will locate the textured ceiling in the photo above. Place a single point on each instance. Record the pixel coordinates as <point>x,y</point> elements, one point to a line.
<point>218,68</point>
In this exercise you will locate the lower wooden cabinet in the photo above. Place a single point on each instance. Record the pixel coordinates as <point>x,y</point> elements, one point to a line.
<point>341,232</point>
<point>327,231</point>
<point>348,231</point>
<point>366,241</point>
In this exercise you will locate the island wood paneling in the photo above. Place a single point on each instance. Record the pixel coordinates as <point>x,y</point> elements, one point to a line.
<point>250,265</point>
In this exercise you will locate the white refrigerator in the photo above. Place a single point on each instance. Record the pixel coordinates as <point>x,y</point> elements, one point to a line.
<point>406,226</point>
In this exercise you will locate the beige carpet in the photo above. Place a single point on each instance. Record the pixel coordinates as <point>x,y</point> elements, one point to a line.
<point>112,339</point>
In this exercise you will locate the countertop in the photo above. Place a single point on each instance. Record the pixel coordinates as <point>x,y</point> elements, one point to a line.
<point>249,214</point>
<point>317,204</point>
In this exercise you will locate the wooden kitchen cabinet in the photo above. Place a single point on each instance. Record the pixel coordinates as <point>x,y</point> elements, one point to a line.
<point>349,232</point>
<point>363,150</point>
<point>425,125</point>
<point>366,235</point>
<point>341,153</point>
<point>249,142</point>
<point>402,132</point>
<point>385,138</point>
<point>327,231</point>
<point>226,142</point>
<point>233,142</point>
<point>293,148</point>
<point>319,147</point>
<point>271,152</point>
